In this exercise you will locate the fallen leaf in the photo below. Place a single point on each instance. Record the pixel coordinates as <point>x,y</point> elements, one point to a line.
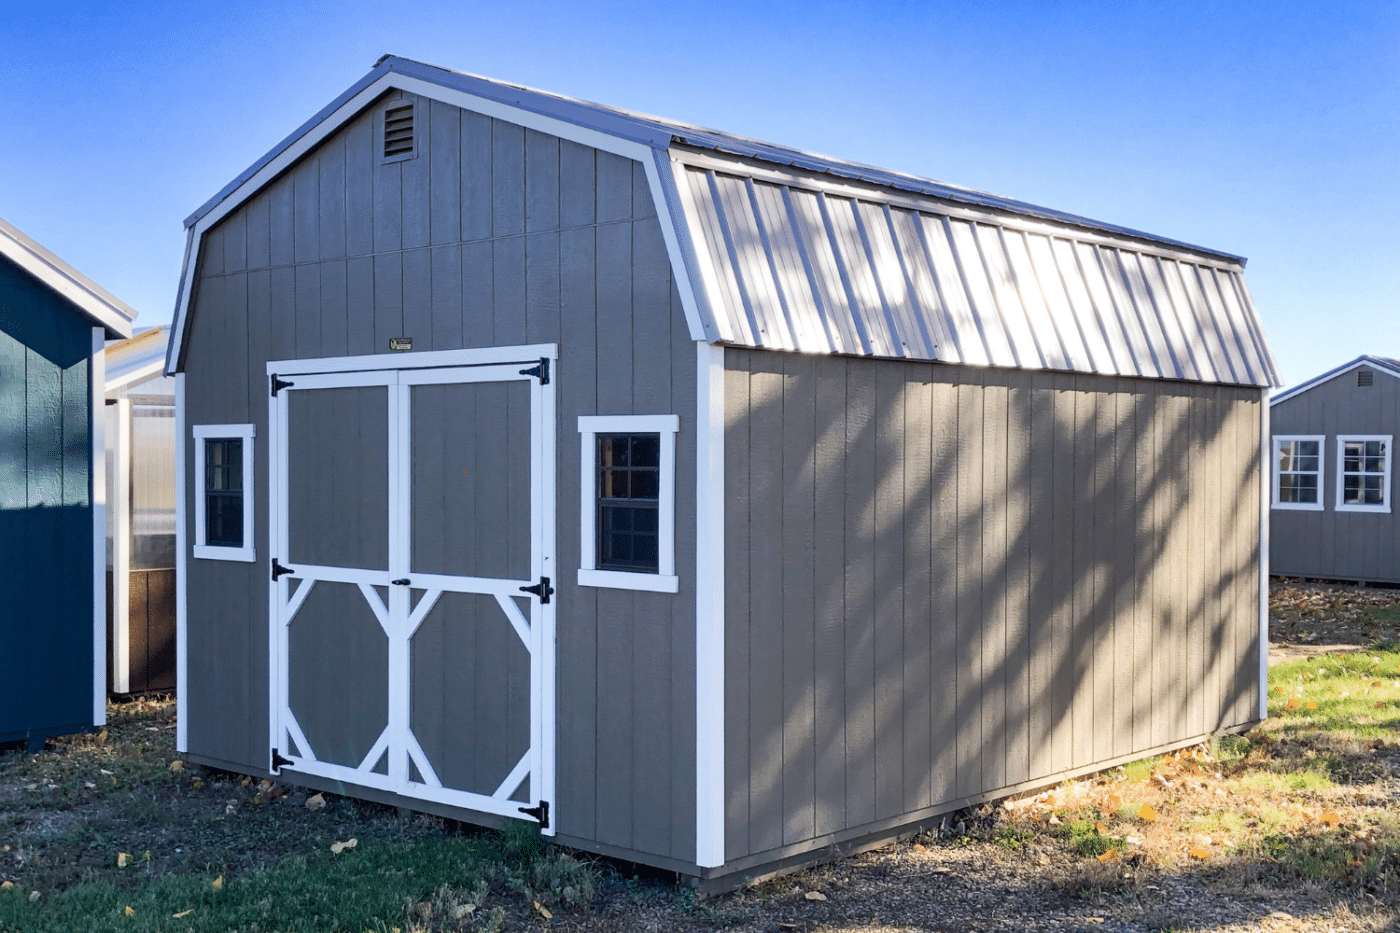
<point>33,896</point>
<point>815,896</point>
<point>315,802</point>
<point>1114,803</point>
<point>7,886</point>
<point>89,785</point>
<point>122,859</point>
<point>1101,827</point>
<point>128,911</point>
<point>1133,840</point>
<point>339,847</point>
<point>1054,820</point>
<point>1292,703</point>
<point>197,785</point>
<point>183,913</point>
<point>1380,704</point>
<point>1198,852</point>
<point>919,847</point>
<point>1311,705</point>
<point>1147,814</point>
<point>218,884</point>
<point>544,911</point>
<point>1110,856</point>
<point>1331,819</point>
<point>177,765</point>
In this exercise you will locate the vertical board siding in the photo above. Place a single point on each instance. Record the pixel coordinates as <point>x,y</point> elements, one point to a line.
<point>491,235</point>
<point>1328,543</point>
<point>988,579</point>
<point>46,557</point>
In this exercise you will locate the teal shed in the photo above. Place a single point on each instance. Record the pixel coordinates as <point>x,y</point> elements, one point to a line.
<point>53,323</point>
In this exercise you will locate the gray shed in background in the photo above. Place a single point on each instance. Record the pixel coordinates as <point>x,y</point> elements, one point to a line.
<point>1333,443</point>
<point>718,505</point>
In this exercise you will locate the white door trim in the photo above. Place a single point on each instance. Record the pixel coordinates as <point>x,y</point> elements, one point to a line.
<point>399,372</point>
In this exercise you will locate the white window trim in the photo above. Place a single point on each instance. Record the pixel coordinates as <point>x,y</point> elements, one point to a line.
<point>1279,440</point>
<point>203,432</point>
<point>665,579</point>
<point>1342,440</point>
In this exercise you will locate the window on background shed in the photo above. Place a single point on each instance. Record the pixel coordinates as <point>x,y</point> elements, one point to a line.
<point>627,490</point>
<point>1298,471</point>
<point>1363,472</point>
<point>223,521</point>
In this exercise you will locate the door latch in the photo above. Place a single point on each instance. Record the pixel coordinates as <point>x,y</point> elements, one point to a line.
<point>540,813</point>
<point>542,589</point>
<point>401,581</point>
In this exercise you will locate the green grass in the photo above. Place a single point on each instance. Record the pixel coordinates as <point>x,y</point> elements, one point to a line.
<point>366,888</point>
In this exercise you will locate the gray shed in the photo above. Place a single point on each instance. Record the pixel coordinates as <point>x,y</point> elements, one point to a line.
<point>720,506</point>
<point>1333,439</point>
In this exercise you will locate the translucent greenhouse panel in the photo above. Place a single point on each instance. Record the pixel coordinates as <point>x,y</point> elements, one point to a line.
<point>152,487</point>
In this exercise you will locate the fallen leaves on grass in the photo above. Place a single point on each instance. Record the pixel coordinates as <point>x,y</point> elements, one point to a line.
<point>815,896</point>
<point>1148,813</point>
<point>122,859</point>
<point>183,913</point>
<point>315,802</point>
<point>544,911</point>
<point>218,883</point>
<point>1199,853</point>
<point>339,847</point>
<point>128,911</point>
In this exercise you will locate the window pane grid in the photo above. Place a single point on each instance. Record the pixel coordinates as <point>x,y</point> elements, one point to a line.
<point>1298,465</point>
<point>223,492</point>
<point>629,477</point>
<point>1363,472</point>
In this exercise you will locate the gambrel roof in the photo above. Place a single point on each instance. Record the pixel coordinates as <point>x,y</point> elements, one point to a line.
<point>1381,364</point>
<point>92,299</point>
<point>781,249</point>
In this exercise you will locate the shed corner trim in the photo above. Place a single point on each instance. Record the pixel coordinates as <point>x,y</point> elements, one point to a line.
<point>709,606</point>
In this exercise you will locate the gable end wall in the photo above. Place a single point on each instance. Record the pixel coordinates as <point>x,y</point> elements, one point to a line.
<point>1327,543</point>
<point>493,235</point>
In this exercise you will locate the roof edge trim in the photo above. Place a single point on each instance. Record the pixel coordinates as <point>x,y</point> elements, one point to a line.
<point>1386,366</point>
<point>92,299</point>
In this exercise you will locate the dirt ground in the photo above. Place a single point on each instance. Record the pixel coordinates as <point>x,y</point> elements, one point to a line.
<point>60,823</point>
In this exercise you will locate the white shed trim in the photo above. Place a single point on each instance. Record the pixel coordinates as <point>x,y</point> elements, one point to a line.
<point>1388,367</point>
<point>1265,494</point>
<point>182,700</point>
<point>709,606</point>
<point>97,495</point>
<point>96,302</point>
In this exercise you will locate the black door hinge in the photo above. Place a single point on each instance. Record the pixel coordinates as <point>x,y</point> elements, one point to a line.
<point>279,383</point>
<point>542,589</point>
<point>540,813</point>
<point>540,372</point>
<point>278,570</point>
<point>278,761</point>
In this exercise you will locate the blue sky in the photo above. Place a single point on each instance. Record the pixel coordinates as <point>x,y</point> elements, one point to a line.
<point>1269,129</point>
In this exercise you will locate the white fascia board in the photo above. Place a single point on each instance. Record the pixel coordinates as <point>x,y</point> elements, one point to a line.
<point>146,371</point>
<point>342,115</point>
<point>680,246</point>
<point>1368,361</point>
<point>99,304</point>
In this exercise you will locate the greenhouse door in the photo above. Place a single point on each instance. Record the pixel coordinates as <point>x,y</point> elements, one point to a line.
<point>412,515</point>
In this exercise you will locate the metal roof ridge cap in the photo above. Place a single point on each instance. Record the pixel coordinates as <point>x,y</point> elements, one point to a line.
<point>916,184</point>
<point>634,127</point>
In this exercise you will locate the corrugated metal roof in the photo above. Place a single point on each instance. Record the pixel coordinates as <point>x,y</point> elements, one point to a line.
<point>795,262</point>
<point>791,250</point>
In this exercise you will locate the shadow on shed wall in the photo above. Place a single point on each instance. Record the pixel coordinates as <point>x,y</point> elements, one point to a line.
<point>942,581</point>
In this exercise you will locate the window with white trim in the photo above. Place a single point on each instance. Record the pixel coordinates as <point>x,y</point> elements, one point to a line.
<point>1298,471</point>
<point>1363,472</point>
<point>223,502</point>
<point>627,517</point>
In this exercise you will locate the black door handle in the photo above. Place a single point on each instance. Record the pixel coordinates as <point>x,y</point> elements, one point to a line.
<point>400,582</point>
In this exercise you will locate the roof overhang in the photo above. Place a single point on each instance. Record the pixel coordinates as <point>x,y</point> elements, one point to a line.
<point>135,360</point>
<point>96,302</point>
<point>1387,366</point>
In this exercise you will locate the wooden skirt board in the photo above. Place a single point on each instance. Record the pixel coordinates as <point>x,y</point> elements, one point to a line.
<point>407,509</point>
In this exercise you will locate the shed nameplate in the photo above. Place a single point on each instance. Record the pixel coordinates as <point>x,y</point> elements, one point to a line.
<point>400,343</point>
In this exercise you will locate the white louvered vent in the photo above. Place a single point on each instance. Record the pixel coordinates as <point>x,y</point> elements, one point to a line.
<point>398,131</point>
<point>1364,377</point>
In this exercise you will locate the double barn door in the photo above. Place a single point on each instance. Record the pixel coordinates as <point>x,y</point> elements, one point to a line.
<point>412,535</point>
